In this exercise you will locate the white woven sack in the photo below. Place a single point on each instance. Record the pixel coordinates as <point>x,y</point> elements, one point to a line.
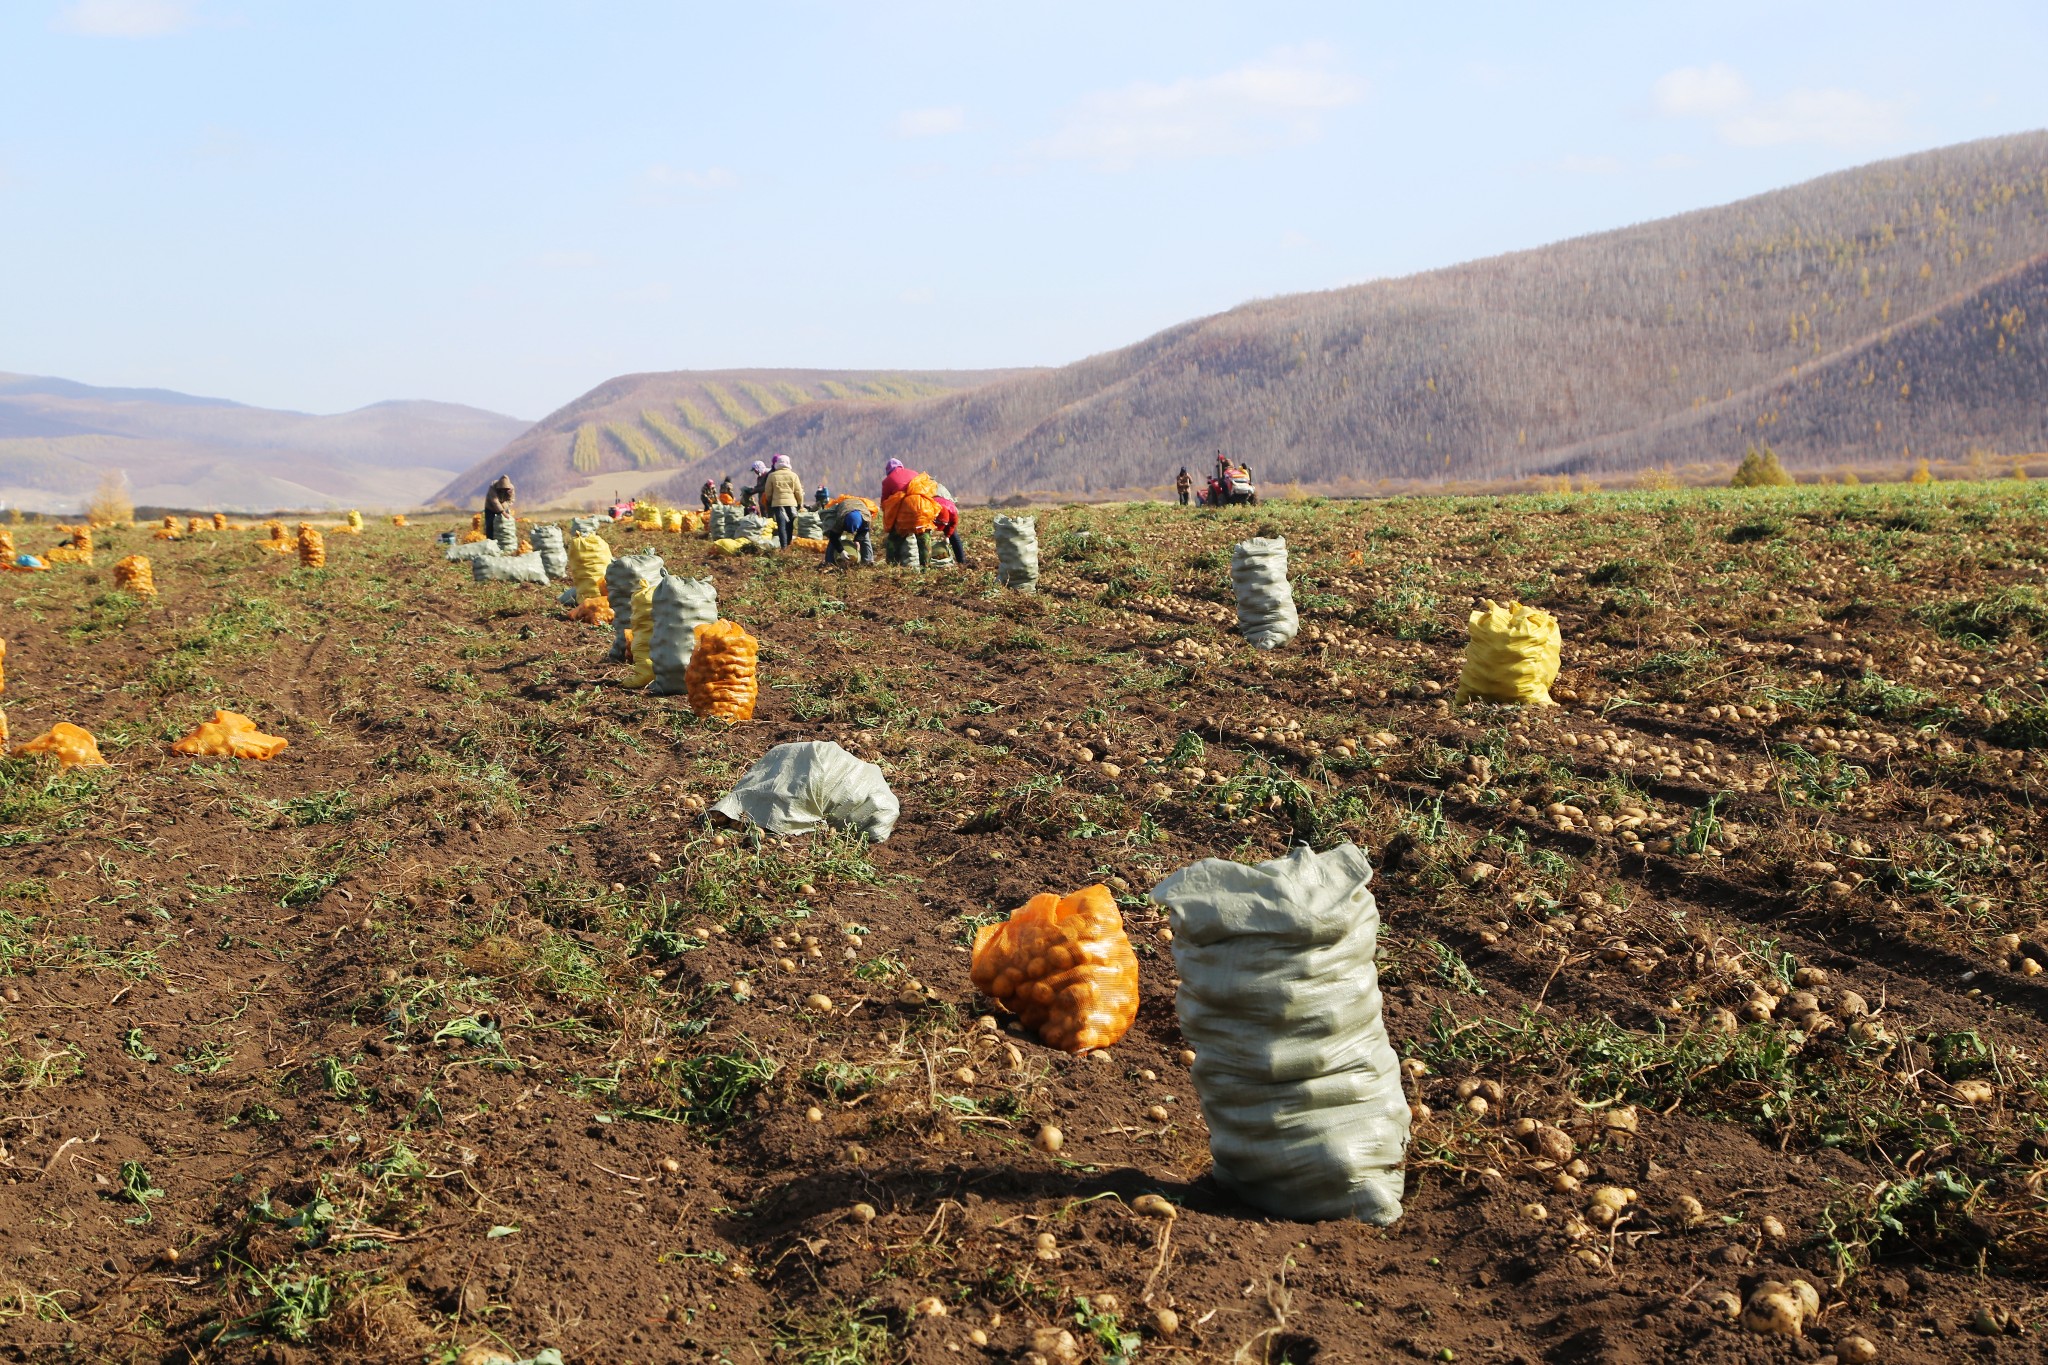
<point>1280,999</point>
<point>476,549</point>
<point>554,552</point>
<point>583,526</point>
<point>508,533</point>
<point>622,578</point>
<point>1265,602</point>
<point>798,788</point>
<point>502,568</point>
<point>1017,553</point>
<point>680,606</point>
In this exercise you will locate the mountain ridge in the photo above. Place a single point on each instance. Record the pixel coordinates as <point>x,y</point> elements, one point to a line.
<point>59,437</point>
<point>1678,340</point>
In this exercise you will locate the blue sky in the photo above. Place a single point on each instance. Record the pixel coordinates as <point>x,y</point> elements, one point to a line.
<point>318,206</point>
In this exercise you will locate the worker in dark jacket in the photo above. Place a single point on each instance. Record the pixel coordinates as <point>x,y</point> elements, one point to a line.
<point>497,503</point>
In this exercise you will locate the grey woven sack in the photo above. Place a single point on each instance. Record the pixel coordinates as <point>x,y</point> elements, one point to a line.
<point>723,515</point>
<point>1265,602</point>
<point>553,551</point>
<point>622,578</point>
<point>809,525</point>
<point>1017,553</point>
<point>526,568</point>
<point>1279,997</point>
<point>476,549</point>
<point>583,526</point>
<point>508,533</point>
<point>752,526</point>
<point>680,606</point>
<point>798,788</point>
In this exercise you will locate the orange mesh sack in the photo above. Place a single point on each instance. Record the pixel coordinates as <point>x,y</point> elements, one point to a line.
<point>398,519</point>
<point>6,543</point>
<point>3,665</point>
<point>914,509</point>
<point>597,611</point>
<point>1062,965</point>
<point>229,734</point>
<point>722,677</point>
<point>312,549</point>
<point>71,746</point>
<point>220,521</point>
<point>132,573</point>
<point>194,526</point>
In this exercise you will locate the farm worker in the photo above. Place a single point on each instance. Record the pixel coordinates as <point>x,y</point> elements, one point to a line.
<point>497,503</point>
<point>910,511</point>
<point>820,498</point>
<point>947,524</point>
<point>845,516</point>
<point>1182,484</point>
<point>725,490</point>
<point>896,476</point>
<point>782,492</point>
<point>708,494</point>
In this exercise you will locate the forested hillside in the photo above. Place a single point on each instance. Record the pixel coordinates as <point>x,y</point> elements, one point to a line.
<point>1850,317</point>
<point>638,424</point>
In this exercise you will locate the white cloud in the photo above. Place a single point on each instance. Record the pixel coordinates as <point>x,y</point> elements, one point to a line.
<point>123,18</point>
<point>702,182</point>
<point>1278,100</point>
<point>931,122</point>
<point>1701,91</point>
<point>1837,118</point>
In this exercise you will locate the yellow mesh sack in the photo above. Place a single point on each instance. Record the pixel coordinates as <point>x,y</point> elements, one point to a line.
<point>722,677</point>
<point>3,665</point>
<point>398,519</point>
<point>220,521</point>
<point>170,523</point>
<point>355,521</point>
<point>642,635</point>
<point>312,548</point>
<point>1064,967</point>
<point>6,544</point>
<point>194,526</point>
<point>132,574</point>
<point>1512,656</point>
<point>588,555</point>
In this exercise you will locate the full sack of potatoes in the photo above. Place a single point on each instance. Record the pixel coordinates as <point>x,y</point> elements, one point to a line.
<point>1064,967</point>
<point>1280,999</point>
<point>1512,656</point>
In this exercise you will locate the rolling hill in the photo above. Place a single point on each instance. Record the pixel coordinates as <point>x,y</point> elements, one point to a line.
<point>1891,310</point>
<point>58,438</point>
<point>633,432</point>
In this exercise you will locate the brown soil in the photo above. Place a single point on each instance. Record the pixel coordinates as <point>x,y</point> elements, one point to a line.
<point>242,978</point>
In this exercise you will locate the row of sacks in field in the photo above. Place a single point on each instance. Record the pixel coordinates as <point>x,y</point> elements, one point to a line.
<point>1512,654</point>
<point>1277,995</point>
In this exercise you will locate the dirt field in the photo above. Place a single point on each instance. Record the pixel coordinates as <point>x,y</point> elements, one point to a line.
<point>456,1025</point>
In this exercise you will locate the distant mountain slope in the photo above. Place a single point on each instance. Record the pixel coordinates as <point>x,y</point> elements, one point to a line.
<point>624,433</point>
<point>1681,339</point>
<point>58,437</point>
